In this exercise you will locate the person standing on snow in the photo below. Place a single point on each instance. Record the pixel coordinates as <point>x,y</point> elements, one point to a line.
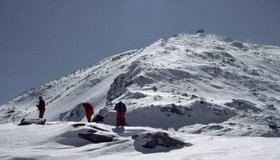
<point>121,109</point>
<point>41,107</point>
<point>88,110</point>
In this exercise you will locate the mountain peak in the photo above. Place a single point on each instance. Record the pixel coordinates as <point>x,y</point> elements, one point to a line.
<point>198,81</point>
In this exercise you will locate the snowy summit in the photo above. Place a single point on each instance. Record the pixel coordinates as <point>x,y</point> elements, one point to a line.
<point>213,92</point>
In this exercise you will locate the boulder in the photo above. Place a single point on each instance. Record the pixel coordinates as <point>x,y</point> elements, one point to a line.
<point>78,125</point>
<point>98,118</point>
<point>161,139</point>
<point>157,142</point>
<point>28,121</point>
<point>96,138</point>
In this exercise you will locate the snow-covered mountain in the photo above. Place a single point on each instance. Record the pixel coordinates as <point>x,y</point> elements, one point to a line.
<point>200,83</point>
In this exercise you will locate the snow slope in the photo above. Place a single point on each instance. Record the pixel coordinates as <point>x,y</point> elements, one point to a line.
<point>203,84</point>
<point>60,141</point>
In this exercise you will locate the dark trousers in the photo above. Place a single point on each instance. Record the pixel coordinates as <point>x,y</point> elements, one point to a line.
<point>41,113</point>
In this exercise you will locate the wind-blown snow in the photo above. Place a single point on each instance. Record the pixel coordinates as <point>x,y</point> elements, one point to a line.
<point>200,84</point>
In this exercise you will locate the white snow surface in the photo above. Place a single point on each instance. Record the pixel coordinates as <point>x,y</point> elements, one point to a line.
<point>60,141</point>
<point>221,95</point>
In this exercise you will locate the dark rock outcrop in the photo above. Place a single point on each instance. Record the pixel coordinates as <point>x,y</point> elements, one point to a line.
<point>96,138</point>
<point>28,121</point>
<point>157,142</point>
<point>162,139</point>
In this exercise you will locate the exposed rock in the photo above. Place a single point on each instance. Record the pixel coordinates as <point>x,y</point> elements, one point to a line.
<point>98,128</point>
<point>243,105</point>
<point>157,142</point>
<point>273,126</point>
<point>121,82</point>
<point>98,118</point>
<point>76,114</point>
<point>78,124</point>
<point>28,121</point>
<point>96,138</point>
<point>136,95</point>
<point>162,139</point>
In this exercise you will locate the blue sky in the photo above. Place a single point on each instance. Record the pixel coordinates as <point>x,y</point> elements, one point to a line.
<point>44,40</point>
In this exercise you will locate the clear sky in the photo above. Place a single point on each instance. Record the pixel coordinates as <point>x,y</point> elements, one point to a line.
<point>41,40</point>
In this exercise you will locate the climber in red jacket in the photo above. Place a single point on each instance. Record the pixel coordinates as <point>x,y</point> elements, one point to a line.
<point>121,109</point>
<point>89,111</point>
